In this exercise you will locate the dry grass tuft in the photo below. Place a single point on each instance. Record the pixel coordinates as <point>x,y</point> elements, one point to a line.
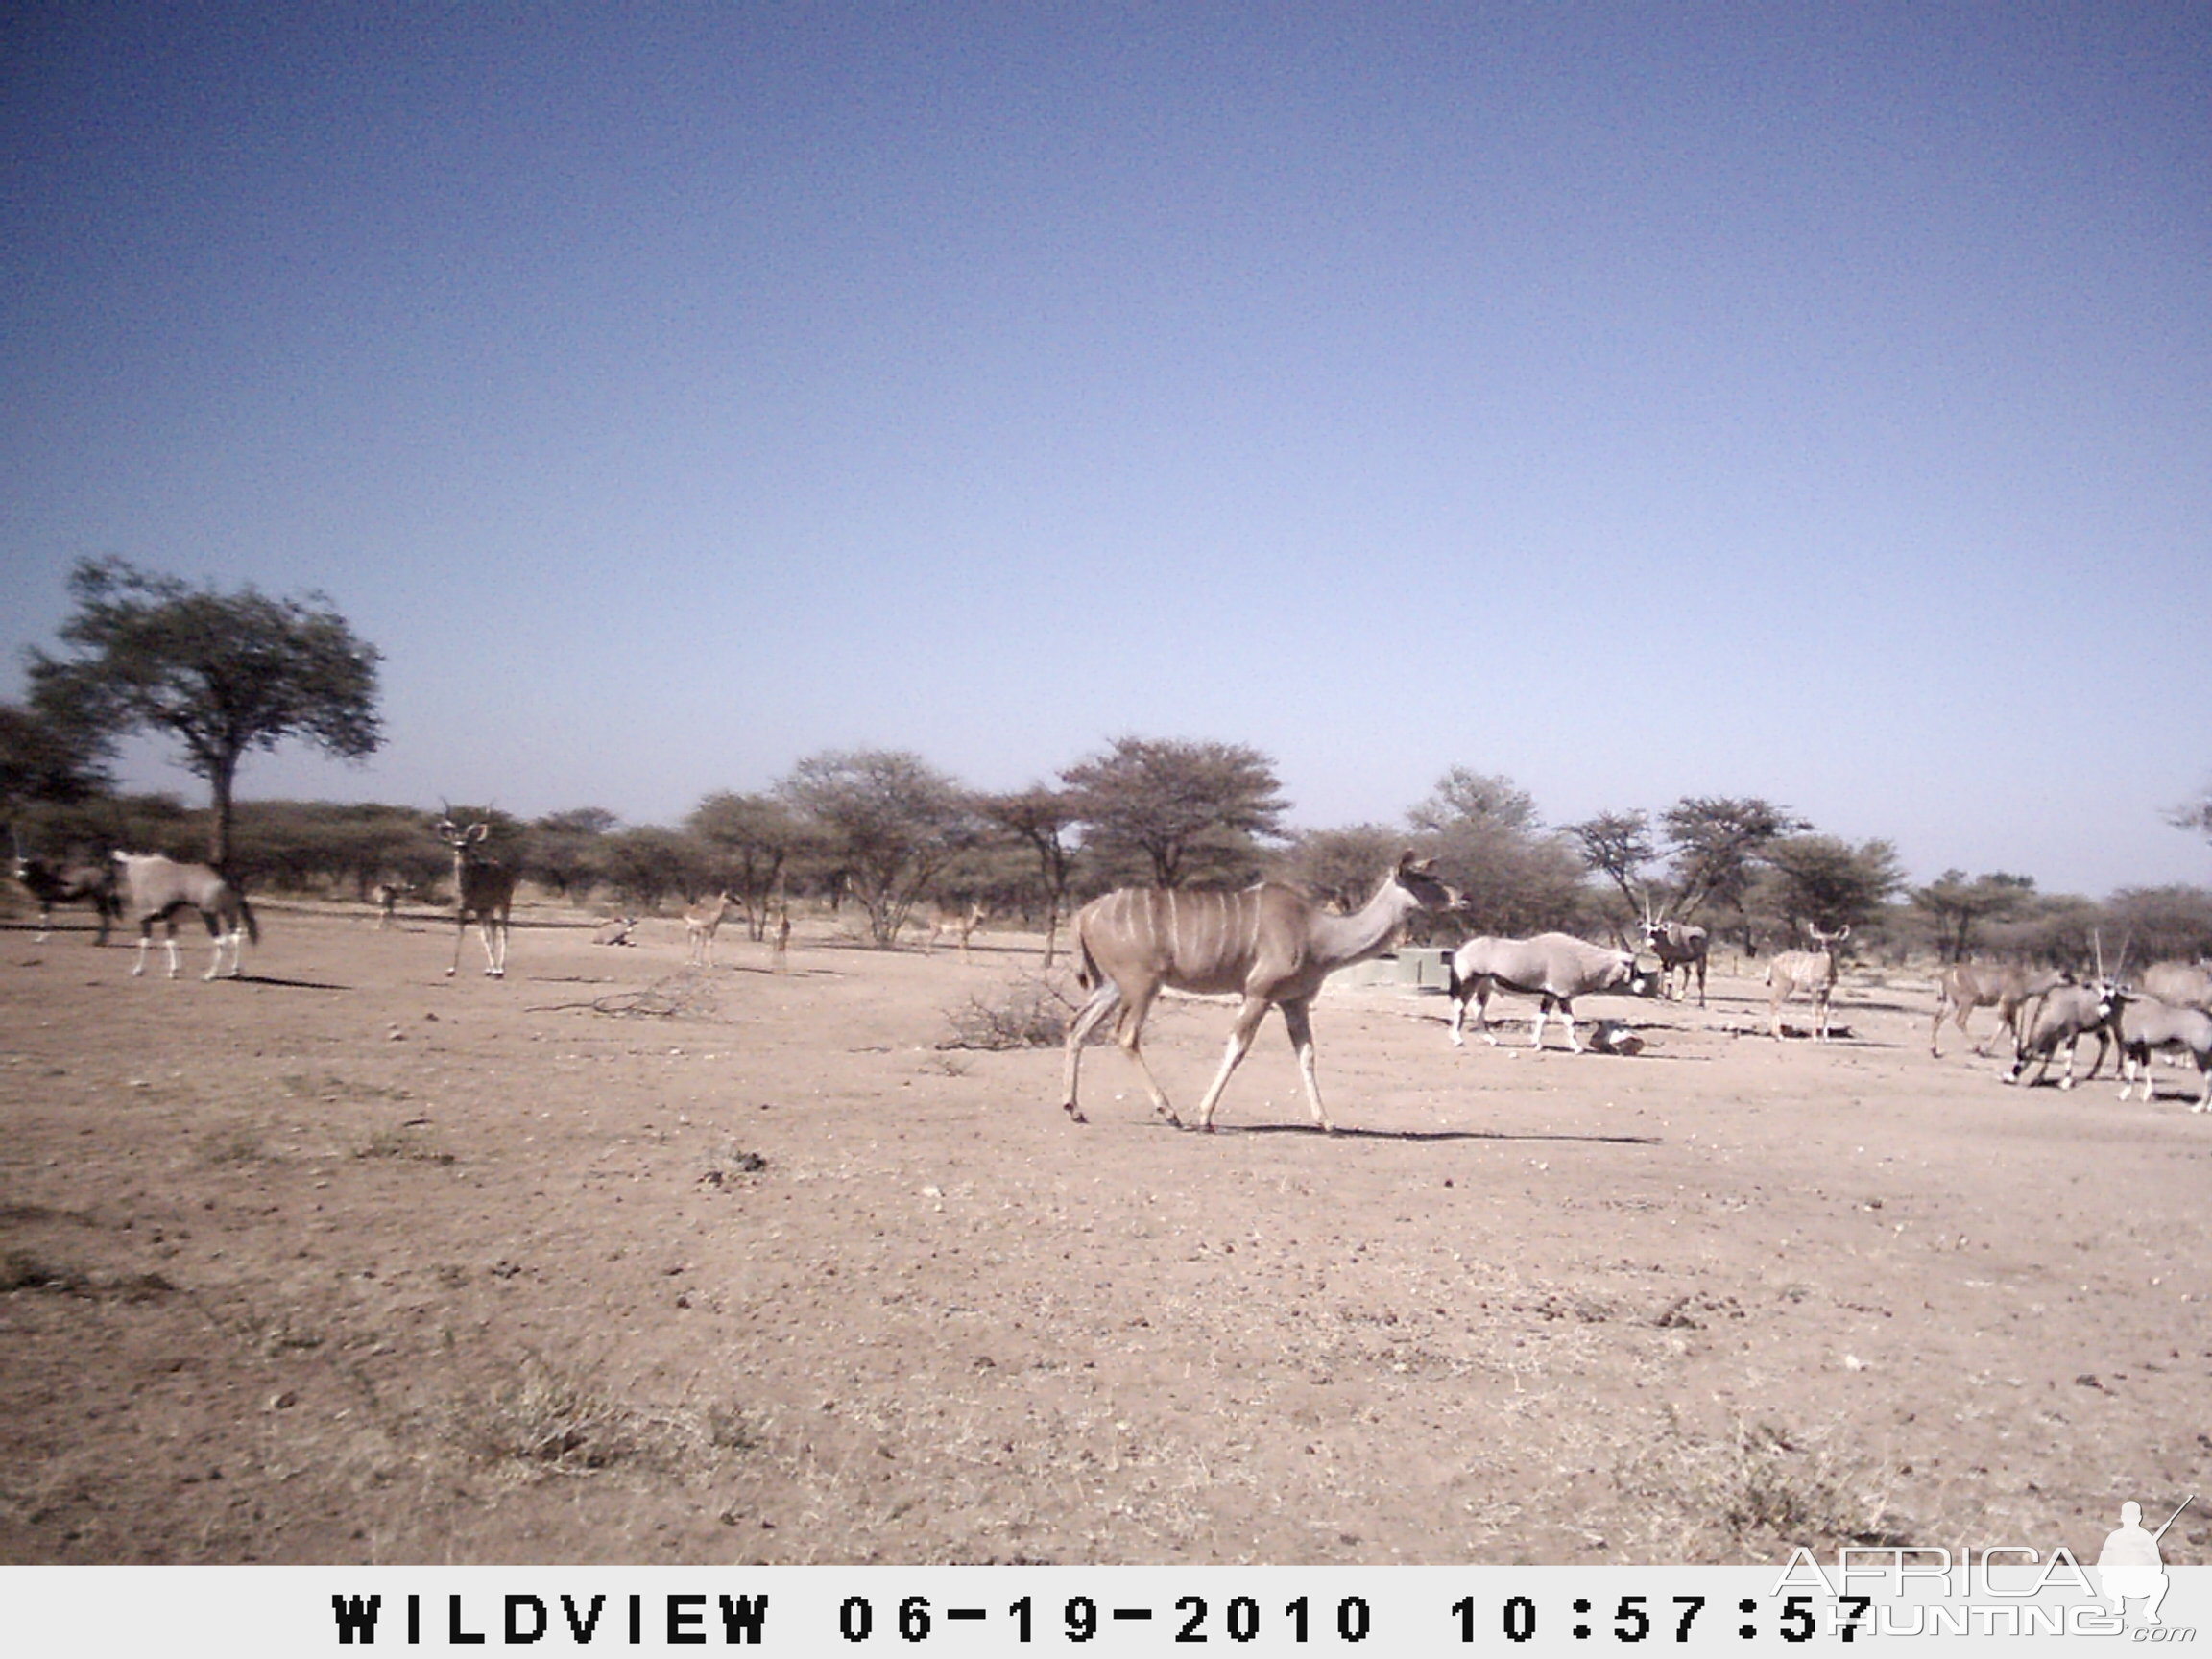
<point>1026,1013</point>
<point>1765,1489</point>
<point>564,1419</point>
<point>26,1270</point>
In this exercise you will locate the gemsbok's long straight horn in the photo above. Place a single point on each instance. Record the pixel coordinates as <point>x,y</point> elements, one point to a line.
<point>2175,1516</point>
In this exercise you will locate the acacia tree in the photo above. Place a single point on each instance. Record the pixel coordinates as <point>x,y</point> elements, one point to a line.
<point>1343,865</point>
<point>1825,881</point>
<point>2194,815</point>
<point>1514,877</point>
<point>754,839</point>
<point>44,756</point>
<point>1041,819</point>
<point>1464,796</point>
<point>567,849</point>
<point>1618,845</point>
<point>889,820</point>
<point>1954,905</point>
<point>1184,807</point>
<point>221,673</point>
<point>1716,843</point>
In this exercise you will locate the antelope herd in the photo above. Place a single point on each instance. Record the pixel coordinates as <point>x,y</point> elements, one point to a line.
<point>1272,946</point>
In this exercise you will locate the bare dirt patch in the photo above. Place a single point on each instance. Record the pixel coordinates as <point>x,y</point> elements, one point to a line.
<point>615,1260</point>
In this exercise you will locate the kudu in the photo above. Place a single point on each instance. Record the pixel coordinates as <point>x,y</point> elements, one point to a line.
<point>1965,986</point>
<point>1553,968</point>
<point>701,922</point>
<point>2146,1022</point>
<point>1269,943</point>
<point>53,885</point>
<point>1811,971</point>
<point>156,889</point>
<point>1678,945</point>
<point>482,889</point>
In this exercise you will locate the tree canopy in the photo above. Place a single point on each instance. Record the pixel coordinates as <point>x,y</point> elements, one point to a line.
<point>1715,844</point>
<point>221,673</point>
<point>1828,883</point>
<point>1185,808</point>
<point>1956,905</point>
<point>45,756</point>
<point>889,820</point>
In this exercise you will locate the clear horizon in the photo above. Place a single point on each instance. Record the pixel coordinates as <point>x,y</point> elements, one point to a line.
<point>1798,402</point>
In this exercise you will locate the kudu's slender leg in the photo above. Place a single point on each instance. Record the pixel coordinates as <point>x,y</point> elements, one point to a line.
<point>1103,1001</point>
<point>1299,1017</point>
<point>1248,1018</point>
<point>1129,1032</point>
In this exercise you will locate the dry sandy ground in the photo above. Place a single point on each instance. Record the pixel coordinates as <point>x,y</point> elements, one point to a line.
<point>615,1261</point>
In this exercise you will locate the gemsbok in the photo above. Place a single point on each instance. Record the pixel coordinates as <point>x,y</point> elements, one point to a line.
<point>1965,986</point>
<point>959,921</point>
<point>1811,971</point>
<point>2066,1014</point>
<point>2147,1023</point>
<point>53,885</point>
<point>482,888</point>
<point>156,889</point>
<point>701,922</point>
<point>1553,968</point>
<point>1270,944</point>
<point>1678,945</point>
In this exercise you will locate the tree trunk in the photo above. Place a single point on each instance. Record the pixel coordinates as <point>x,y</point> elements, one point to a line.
<point>220,779</point>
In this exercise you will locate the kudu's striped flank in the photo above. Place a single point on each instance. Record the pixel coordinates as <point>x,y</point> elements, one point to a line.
<point>1270,944</point>
<point>1811,971</point>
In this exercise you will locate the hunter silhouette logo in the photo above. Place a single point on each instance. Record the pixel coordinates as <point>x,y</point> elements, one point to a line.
<point>2130,1566</point>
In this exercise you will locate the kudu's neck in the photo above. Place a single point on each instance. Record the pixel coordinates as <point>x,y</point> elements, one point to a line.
<point>1367,932</point>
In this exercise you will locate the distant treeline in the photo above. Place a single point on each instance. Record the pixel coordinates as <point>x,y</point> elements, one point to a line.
<point>882,832</point>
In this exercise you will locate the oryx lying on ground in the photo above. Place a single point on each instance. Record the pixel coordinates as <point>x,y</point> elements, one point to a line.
<point>1811,971</point>
<point>701,922</point>
<point>156,889</point>
<point>2066,1014</point>
<point>482,888</point>
<point>1965,986</point>
<point>1553,968</point>
<point>53,885</point>
<point>1270,943</point>
<point>2146,1023</point>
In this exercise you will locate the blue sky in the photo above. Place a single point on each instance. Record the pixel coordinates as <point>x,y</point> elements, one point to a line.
<point>1798,401</point>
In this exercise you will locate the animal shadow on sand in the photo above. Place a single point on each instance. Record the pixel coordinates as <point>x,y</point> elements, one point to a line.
<point>1345,1132</point>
